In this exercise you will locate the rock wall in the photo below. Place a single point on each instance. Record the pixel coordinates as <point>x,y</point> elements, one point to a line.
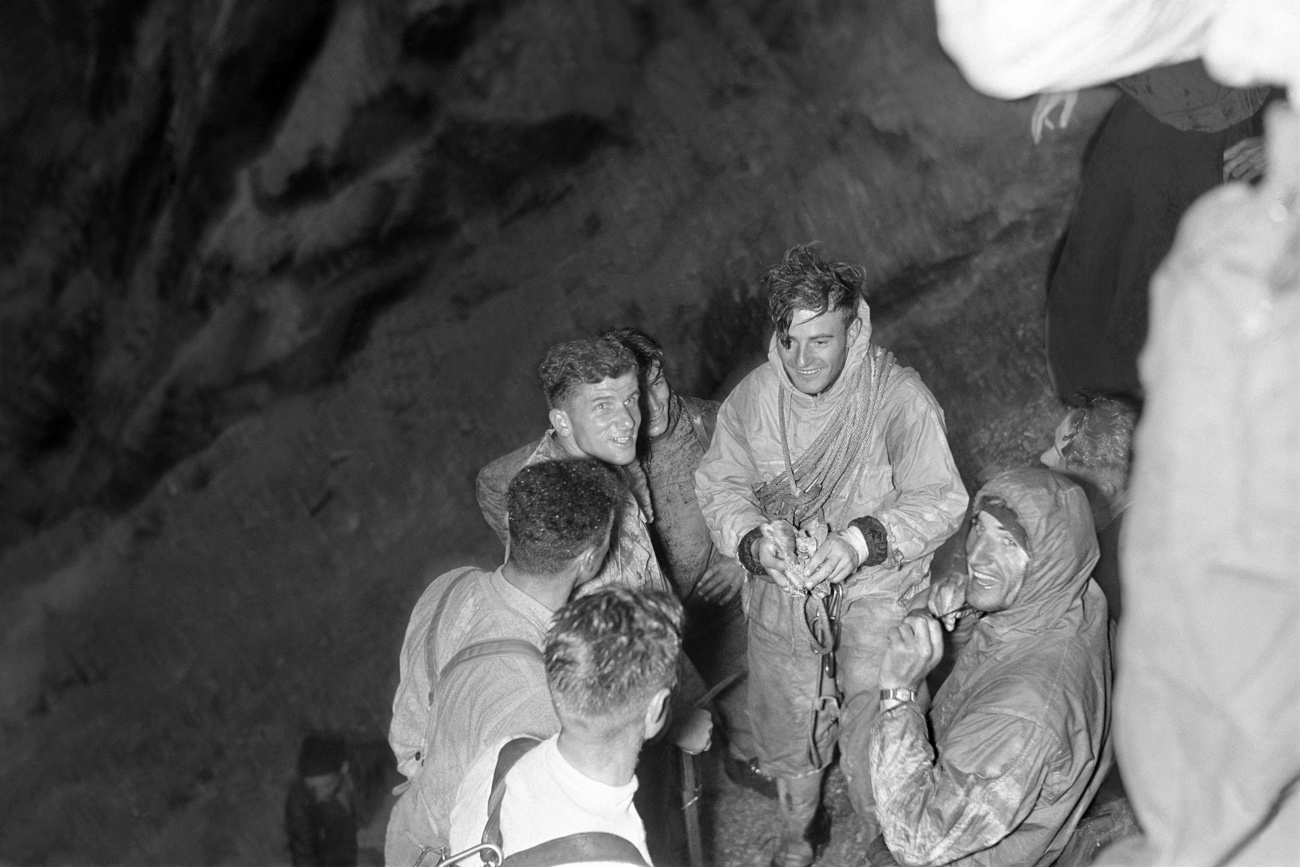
<point>284,278</point>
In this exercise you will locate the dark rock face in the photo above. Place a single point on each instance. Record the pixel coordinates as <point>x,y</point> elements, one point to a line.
<point>274,280</point>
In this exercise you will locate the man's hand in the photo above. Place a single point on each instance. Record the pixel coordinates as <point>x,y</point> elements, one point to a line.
<point>1043,108</point>
<point>721,581</point>
<point>693,732</point>
<point>777,543</point>
<point>1245,161</point>
<point>834,560</point>
<point>947,597</point>
<point>915,648</point>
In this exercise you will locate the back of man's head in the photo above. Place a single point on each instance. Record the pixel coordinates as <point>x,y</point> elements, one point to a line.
<point>1102,441</point>
<point>557,511</point>
<point>572,363</point>
<point>607,656</point>
<point>643,347</point>
<point>804,281</point>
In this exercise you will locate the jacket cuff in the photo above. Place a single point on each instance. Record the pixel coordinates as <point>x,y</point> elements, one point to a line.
<point>877,539</point>
<point>745,552</point>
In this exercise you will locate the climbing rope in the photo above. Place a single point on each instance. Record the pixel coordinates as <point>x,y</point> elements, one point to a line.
<point>808,484</point>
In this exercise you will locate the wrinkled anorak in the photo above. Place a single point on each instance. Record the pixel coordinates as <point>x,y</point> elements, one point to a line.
<point>458,715</point>
<point>1020,725</point>
<point>908,479</point>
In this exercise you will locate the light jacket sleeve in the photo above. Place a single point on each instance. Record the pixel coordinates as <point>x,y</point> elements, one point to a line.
<point>931,499</point>
<point>411,701</point>
<point>724,479</point>
<point>980,786</point>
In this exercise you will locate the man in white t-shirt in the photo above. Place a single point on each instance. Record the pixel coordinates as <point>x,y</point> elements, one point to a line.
<point>611,661</point>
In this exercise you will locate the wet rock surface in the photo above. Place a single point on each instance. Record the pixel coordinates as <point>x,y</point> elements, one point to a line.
<point>284,274</point>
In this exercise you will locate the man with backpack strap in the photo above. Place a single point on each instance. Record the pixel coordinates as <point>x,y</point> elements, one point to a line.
<point>611,661</point>
<point>471,668</point>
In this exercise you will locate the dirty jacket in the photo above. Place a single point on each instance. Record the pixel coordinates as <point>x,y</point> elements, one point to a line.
<point>440,724</point>
<point>908,482</point>
<point>1020,725</point>
<point>670,463</point>
<point>631,561</point>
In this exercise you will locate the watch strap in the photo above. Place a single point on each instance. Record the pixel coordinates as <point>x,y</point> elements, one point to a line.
<point>898,694</point>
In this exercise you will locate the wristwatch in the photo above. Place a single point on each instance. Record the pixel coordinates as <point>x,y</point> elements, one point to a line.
<point>898,694</point>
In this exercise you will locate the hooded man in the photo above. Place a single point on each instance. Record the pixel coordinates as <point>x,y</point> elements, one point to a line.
<point>1021,724</point>
<point>832,439</point>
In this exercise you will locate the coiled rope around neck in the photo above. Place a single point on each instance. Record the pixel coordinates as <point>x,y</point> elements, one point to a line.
<point>836,455</point>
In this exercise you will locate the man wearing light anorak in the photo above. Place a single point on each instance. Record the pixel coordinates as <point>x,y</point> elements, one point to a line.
<point>829,430</point>
<point>1020,726</point>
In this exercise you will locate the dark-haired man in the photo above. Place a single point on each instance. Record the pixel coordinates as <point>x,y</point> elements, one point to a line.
<point>830,428</point>
<point>594,397</point>
<point>1020,725</point>
<point>676,432</point>
<point>611,660</point>
<point>471,661</point>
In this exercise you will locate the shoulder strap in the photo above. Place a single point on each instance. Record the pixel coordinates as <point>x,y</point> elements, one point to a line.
<point>492,647</point>
<point>511,752</point>
<point>429,661</point>
<point>591,846</point>
<point>586,847</point>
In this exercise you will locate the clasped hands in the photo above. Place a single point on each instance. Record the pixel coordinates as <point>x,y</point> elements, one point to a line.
<point>834,560</point>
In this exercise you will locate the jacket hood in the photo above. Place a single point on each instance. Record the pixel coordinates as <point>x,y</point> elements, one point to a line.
<point>857,355</point>
<point>1061,543</point>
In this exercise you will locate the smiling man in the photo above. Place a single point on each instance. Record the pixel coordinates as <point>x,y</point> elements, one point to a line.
<point>1020,725</point>
<point>830,432</point>
<point>594,397</point>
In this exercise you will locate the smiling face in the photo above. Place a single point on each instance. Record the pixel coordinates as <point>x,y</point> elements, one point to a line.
<point>655,397</point>
<point>815,348</point>
<point>600,420</point>
<point>996,562</point>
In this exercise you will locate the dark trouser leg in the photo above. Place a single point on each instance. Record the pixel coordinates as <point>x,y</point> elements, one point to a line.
<point>717,641</point>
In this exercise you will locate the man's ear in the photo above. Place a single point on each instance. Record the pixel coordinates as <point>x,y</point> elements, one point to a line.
<point>588,565</point>
<point>656,713</point>
<point>854,328</point>
<point>560,421</point>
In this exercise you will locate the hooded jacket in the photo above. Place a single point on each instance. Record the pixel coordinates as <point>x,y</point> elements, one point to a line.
<point>908,480</point>
<point>1021,724</point>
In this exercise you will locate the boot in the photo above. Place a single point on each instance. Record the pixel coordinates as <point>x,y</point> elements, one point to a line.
<point>799,799</point>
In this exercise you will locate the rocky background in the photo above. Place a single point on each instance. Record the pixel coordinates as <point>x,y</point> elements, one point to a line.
<point>274,279</point>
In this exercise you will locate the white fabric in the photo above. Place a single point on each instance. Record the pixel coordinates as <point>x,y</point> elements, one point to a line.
<point>546,797</point>
<point>1014,48</point>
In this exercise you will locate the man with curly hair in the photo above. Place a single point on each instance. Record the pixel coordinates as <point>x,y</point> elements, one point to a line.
<point>830,479</point>
<point>594,396</point>
<point>676,432</point>
<point>611,661</point>
<point>1093,445</point>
